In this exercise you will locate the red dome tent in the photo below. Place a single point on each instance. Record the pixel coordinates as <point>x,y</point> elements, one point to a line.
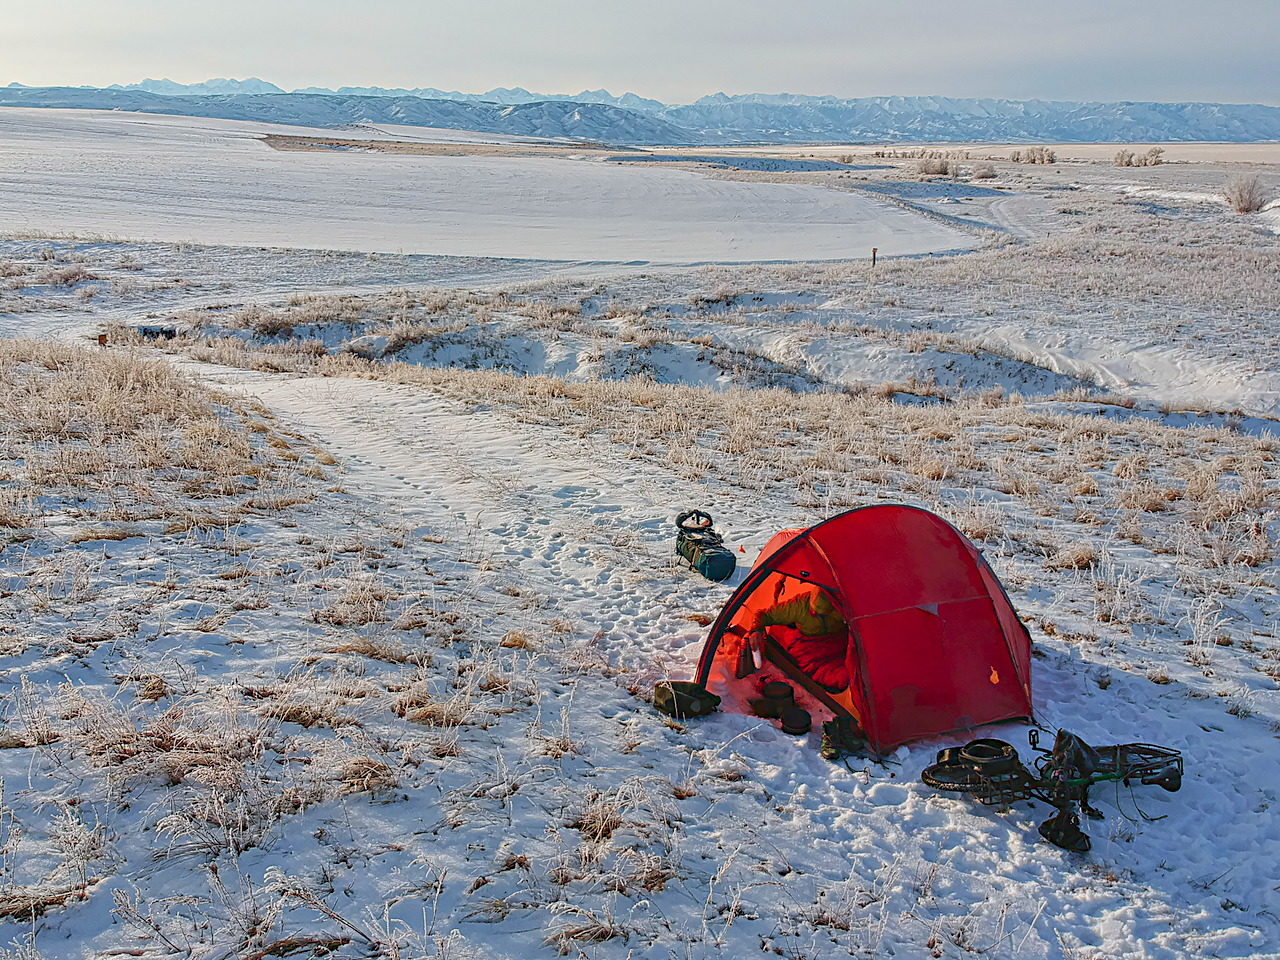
<point>933,644</point>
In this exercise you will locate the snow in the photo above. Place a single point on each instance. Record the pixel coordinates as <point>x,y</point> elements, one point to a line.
<point>401,132</point>
<point>143,178</point>
<point>765,164</point>
<point>528,498</point>
<point>1270,215</point>
<point>1163,372</point>
<point>930,190</point>
<point>538,507</point>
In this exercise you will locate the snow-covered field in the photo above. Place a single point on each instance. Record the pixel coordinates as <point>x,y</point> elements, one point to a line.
<point>178,179</point>
<point>1266,152</point>
<point>327,626</point>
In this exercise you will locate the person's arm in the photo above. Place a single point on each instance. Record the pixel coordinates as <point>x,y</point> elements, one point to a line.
<point>779,614</point>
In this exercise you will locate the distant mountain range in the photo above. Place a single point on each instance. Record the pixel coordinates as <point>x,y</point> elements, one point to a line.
<point>555,119</point>
<point>504,95</point>
<point>719,118</point>
<point>214,87</point>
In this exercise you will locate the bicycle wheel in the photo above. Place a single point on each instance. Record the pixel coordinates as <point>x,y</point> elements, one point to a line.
<point>951,776</point>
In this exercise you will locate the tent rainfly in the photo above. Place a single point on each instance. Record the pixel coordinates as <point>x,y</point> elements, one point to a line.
<point>931,643</point>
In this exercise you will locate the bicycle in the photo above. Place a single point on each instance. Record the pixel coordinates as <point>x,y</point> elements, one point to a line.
<point>991,772</point>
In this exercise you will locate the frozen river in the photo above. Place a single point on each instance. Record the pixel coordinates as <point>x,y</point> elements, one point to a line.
<point>137,176</point>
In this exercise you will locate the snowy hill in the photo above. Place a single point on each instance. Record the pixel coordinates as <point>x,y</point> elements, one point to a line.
<point>718,118</point>
<point>504,95</point>
<point>507,95</point>
<point>782,117</point>
<point>553,119</point>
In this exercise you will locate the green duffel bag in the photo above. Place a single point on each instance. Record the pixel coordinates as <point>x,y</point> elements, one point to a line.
<point>702,547</point>
<point>683,698</point>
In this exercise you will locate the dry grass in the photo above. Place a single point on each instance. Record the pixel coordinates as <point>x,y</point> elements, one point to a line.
<point>419,705</point>
<point>366,775</point>
<point>68,276</point>
<point>838,442</point>
<point>27,904</point>
<point>306,714</point>
<point>361,601</point>
<point>90,534</point>
<point>1075,557</point>
<point>1128,158</point>
<point>1246,193</point>
<point>1037,155</point>
<point>519,640</point>
<point>384,650</point>
<point>181,751</point>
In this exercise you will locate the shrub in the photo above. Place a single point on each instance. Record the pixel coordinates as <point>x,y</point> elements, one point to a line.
<point>1034,155</point>
<point>1152,158</point>
<point>984,171</point>
<point>932,167</point>
<point>1245,193</point>
<point>64,276</point>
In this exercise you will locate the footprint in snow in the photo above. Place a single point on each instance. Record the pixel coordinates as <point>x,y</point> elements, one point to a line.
<point>886,795</point>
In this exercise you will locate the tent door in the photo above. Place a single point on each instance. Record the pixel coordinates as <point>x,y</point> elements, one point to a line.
<point>838,703</point>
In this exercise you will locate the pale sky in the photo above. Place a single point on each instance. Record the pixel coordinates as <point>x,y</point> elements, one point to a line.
<point>672,50</point>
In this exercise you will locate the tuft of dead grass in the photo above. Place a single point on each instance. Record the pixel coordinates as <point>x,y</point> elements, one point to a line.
<point>1078,556</point>
<point>366,775</point>
<point>28,904</point>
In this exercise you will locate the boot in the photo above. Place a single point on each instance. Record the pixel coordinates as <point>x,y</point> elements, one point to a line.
<point>1064,831</point>
<point>841,737</point>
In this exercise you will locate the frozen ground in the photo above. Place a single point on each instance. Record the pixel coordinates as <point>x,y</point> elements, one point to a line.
<point>83,283</point>
<point>351,657</point>
<point>1267,154</point>
<point>152,178</point>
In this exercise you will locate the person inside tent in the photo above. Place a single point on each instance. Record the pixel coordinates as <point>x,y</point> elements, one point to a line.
<point>812,630</point>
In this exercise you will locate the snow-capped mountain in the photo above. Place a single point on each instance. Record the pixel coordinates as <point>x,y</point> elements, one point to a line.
<point>509,96</point>
<point>549,119</point>
<point>718,118</point>
<point>782,117</point>
<point>216,86</point>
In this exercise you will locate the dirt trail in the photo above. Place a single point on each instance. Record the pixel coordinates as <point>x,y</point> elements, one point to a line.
<point>570,519</point>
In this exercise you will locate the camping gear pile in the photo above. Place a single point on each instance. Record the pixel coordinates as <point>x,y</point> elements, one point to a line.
<point>901,631</point>
<point>702,547</point>
<point>991,772</point>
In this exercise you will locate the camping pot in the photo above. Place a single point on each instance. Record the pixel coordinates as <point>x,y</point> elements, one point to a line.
<point>796,721</point>
<point>778,697</point>
<point>777,690</point>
